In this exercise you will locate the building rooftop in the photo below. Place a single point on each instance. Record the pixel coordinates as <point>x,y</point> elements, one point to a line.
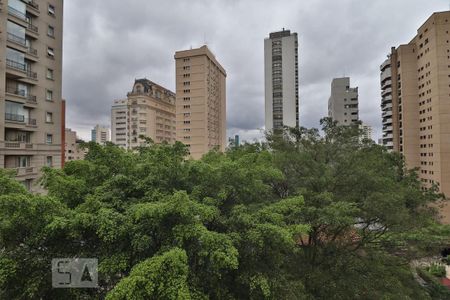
<point>280,34</point>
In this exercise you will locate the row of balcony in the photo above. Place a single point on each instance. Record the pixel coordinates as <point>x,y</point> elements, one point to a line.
<point>22,42</point>
<point>20,119</point>
<point>18,14</point>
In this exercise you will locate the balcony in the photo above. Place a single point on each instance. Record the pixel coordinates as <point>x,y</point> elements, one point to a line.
<point>14,12</point>
<point>18,145</point>
<point>387,113</point>
<point>20,119</point>
<point>32,51</point>
<point>18,66</point>
<point>33,8</point>
<point>16,39</point>
<point>15,118</point>
<point>21,93</point>
<point>26,171</point>
<point>386,92</point>
<point>33,28</point>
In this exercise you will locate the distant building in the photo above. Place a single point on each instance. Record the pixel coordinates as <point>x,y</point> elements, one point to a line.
<point>343,102</point>
<point>281,80</point>
<point>415,102</point>
<point>201,101</point>
<point>234,142</point>
<point>367,131</point>
<point>149,111</point>
<point>73,149</point>
<point>119,123</point>
<point>100,134</point>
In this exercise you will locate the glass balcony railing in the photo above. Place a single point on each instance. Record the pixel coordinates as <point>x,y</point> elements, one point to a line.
<point>17,39</point>
<point>14,117</point>
<point>18,14</point>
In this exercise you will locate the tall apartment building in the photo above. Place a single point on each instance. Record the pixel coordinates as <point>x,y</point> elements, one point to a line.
<point>73,149</point>
<point>119,123</point>
<point>343,102</point>
<point>31,32</point>
<point>100,134</point>
<point>415,82</point>
<point>148,111</point>
<point>201,101</point>
<point>281,80</point>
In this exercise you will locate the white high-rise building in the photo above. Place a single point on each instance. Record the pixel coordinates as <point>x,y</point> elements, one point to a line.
<point>281,80</point>
<point>343,102</point>
<point>100,134</point>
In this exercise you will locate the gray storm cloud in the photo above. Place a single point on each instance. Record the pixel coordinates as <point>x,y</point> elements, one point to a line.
<point>109,43</point>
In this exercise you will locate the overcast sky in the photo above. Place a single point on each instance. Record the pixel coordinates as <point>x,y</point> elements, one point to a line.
<point>109,43</point>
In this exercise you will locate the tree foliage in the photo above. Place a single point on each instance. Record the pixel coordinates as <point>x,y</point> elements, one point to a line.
<point>303,216</point>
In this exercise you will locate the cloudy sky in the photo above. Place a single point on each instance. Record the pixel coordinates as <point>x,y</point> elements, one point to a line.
<point>109,43</point>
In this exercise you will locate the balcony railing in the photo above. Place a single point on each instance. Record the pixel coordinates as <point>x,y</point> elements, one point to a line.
<point>17,39</point>
<point>21,93</point>
<point>16,65</point>
<point>31,122</point>
<point>33,27</point>
<point>32,51</point>
<point>31,74</point>
<point>18,145</point>
<point>18,14</point>
<point>15,117</point>
<point>21,67</point>
<point>20,119</point>
<point>33,5</point>
<point>25,171</point>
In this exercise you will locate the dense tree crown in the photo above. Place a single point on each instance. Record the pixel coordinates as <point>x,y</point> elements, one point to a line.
<point>302,216</point>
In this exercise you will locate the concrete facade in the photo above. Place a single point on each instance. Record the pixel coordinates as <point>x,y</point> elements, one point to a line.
<point>343,104</point>
<point>281,80</point>
<point>201,101</point>
<point>420,90</point>
<point>30,87</point>
<point>149,111</point>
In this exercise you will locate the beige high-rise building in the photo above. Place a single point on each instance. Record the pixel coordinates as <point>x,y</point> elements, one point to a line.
<point>201,101</point>
<point>31,32</point>
<point>415,82</point>
<point>149,111</point>
<point>73,149</point>
<point>100,134</point>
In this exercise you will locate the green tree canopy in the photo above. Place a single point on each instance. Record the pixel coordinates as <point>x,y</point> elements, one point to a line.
<point>303,216</point>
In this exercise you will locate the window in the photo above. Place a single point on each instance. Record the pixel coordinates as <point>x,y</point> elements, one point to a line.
<point>51,10</point>
<point>49,161</point>
<point>49,139</point>
<point>50,74</point>
<point>49,117</point>
<point>49,95</point>
<point>23,161</point>
<point>50,52</point>
<point>51,31</point>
